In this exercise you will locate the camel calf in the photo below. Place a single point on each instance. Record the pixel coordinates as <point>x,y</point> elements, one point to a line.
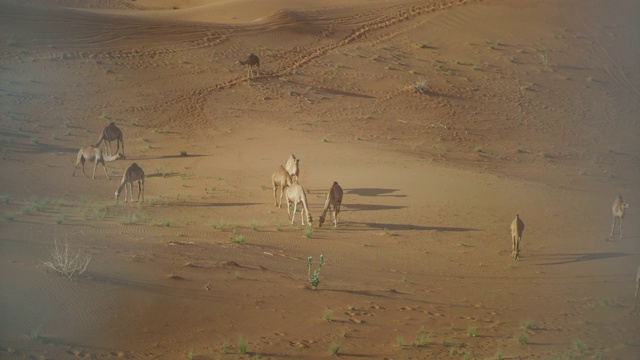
<point>109,134</point>
<point>280,179</point>
<point>517,227</point>
<point>618,209</point>
<point>334,198</point>
<point>295,195</point>
<point>92,153</point>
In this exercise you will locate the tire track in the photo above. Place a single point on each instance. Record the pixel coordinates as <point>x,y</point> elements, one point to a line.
<point>193,101</point>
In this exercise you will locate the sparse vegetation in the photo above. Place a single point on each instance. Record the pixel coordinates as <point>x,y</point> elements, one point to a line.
<point>236,238</point>
<point>308,232</point>
<point>471,330</point>
<point>67,263</point>
<point>527,325</point>
<point>423,339</point>
<point>254,225</point>
<point>35,140</point>
<point>522,337</point>
<point>334,347</point>
<point>327,315</point>
<point>242,344</point>
<point>400,341</point>
<point>314,278</point>
<point>422,87</point>
<point>60,218</point>
<point>580,346</point>
<point>36,334</point>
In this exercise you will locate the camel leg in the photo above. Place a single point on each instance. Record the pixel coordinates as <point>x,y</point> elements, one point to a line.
<point>620,228</point>
<point>302,215</point>
<point>122,146</point>
<point>635,299</point>
<point>613,226</point>
<point>108,143</point>
<point>295,209</point>
<point>141,185</point>
<point>281,194</point>
<point>105,170</point>
<point>513,246</point>
<point>78,160</point>
<point>518,238</point>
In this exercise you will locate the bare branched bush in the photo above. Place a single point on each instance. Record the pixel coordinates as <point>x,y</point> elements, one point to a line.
<point>65,262</point>
<point>422,87</point>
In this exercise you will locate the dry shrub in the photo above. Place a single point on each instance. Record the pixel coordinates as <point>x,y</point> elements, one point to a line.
<point>65,262</point>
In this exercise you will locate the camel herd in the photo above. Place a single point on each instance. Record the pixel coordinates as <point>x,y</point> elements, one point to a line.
<point>285,179</point>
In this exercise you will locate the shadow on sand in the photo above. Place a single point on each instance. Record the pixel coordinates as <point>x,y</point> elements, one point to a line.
<point>559,259</point>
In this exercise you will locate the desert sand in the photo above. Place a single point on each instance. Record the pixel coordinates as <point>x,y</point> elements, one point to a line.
<point>440,119</point>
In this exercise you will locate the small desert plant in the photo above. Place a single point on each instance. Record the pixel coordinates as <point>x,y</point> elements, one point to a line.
<point>327,315</point>
<point>190,354</point>
<point>423,338</point>
<point>35,140</point>
<point>65,262</point>
<point>25,210</point>
<point>498,355</point>
<point>36,334</point>
<point>527,325</point>
<point>278,225</point>
<point>61,218</point>
<point>522,338</point>
<point>334,347</point>
<point>242,344</point>
<point>308,232</point>
<point>467,355</point>
<point>580,346</point>
<point>471,330</point>
<point>400,341</point>
<point>421,86</point>
<point>238,239</point>
<point>545,58</point>
<point>223,346</point>
<point>5,199</point>
<point>254,225</point>
<point>314,278</point>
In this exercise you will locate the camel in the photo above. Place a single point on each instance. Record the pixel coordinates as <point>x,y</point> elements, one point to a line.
<point>618,212</point>
<point>292,166</point>
<point>295,195</point>
<point>252,60</point>
<point>635,300</point>
<point>109,134</point>
<point>280,179</point>
<point>517,227</point>
<point>132,174</point>
<point>334,198</point>
<point>92,153</point>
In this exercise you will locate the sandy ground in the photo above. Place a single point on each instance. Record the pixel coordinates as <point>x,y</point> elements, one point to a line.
<point>528,107</point>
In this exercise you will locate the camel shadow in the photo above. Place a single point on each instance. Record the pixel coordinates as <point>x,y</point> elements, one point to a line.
<point>373,192</point>
<point>369,207</point>
<point>411,227</point>
<point>170,157</point>
<point>213,204</point>
<point>560,259</point>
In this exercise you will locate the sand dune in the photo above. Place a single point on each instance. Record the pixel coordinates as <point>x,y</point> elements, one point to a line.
<point>441,120</point>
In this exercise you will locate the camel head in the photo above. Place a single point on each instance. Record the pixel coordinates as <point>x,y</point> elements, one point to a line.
<point>121,156</point>
<point>309,220</point>
<point>117,196</point>
<point>321,221</point>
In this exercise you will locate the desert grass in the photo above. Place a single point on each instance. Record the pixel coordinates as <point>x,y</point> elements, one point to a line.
<point>579,345</point>
<point>35,140</point>
<point>527,325</point>
<point>423,339</point>
<point>327,315</point>
<point>60,218</point>
<point>400,341</point>
<point>498,355</point>
<point>471,330</point>
<point>308,232</point>
<point>278,225</point>
<point>223,346</point>
<point>334,347</point>
<point>236,238</point>
<point>242,344</point>
<point>36,334</point>
<point>254,225</point>
<point>522,337</point>
<point>65,262</point>
<point>422,87</point>
<point>5,199</point>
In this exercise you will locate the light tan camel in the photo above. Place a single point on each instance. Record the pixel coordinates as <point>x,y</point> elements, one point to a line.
<point>292,166</point>
<point>618,213</point>
<point>109,134</point>
<point>280,179</point>
<point>252,60</point>
<point>92,153</point>
<point>517,227</point>
<point>295,195</point>
<point>334,198</point>
<point>132,174</point>
<point>635,299</point>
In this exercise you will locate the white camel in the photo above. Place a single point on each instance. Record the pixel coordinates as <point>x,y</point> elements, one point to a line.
<point>109,134</point>
<point>251,62</point>
<point>334,199</point>
<point>92,153</point>
<point>295,195</point>
<point>280,179</point>
<point>292,166</point>
<point>517,227</point>
<point>132,174</point>
<point>635,299</point>
<point>618,210</point>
